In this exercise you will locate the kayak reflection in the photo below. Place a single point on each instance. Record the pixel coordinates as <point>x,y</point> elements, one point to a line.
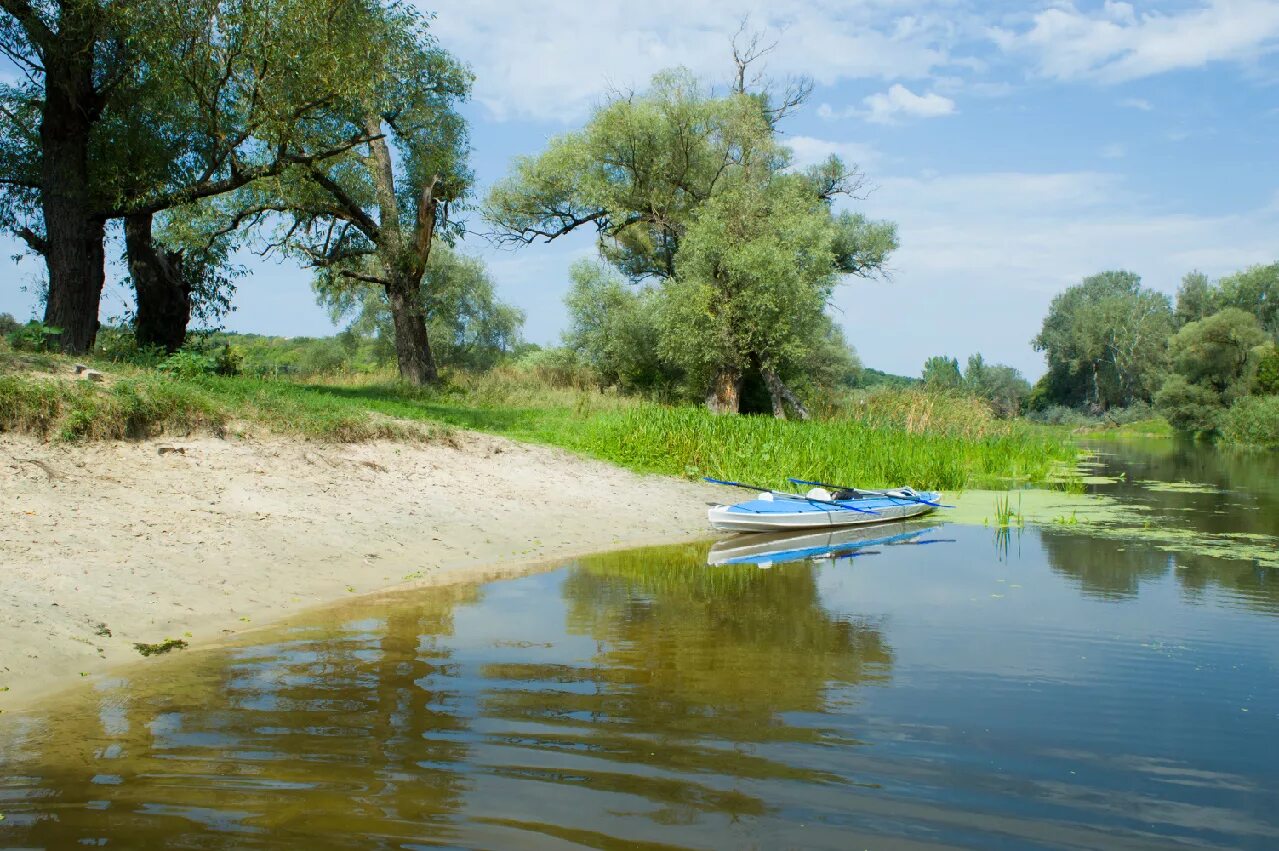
<point>769,548</point>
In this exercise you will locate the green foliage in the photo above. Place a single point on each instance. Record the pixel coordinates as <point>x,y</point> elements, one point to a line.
<point>1001,386</point>
<point>8,324</point>
<point>755,271</point>
<point>34,337</point>
<point>117,343</point>
<point>942,373</point>
<point>1104,340</point>
<point>126,409</point>
<point>1256,290</point>
<point>613,328</point>
<point>890,437</point>
<point>190,363</point>
<point>468,325</point>
<point>1265,380</point>
<point>1253,421</point>
<point>870,377</point>
<point>1191,408</point>
<point>691,441</point>
<point>1196,298</point>
<point>693,190</point>
<point>1214,351</point>
<point>559,367</point>
<point>1060,415</point>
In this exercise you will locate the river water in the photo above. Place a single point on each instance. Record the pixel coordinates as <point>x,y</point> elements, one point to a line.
<point>933,686</point>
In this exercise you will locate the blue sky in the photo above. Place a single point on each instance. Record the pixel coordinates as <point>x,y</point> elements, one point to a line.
<point>1018,146</point>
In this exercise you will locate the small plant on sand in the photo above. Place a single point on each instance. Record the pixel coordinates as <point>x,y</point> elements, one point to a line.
<point>161,648</point>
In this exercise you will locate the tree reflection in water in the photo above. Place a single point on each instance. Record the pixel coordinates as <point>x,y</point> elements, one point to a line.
<point>695,672</point>
<point>344,733</point>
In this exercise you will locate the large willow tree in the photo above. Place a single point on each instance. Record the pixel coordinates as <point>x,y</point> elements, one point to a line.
<point>696,192</point>
<point>125,110</point>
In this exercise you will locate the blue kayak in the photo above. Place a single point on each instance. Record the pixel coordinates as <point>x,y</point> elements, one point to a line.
<point>777,512</point>
<point>766,549</point>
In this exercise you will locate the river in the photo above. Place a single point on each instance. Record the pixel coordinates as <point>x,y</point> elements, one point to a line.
<point>931,686</point>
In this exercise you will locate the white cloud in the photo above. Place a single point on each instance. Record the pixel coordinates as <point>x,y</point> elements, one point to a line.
<point>1137,103</point>
<point>810,151</point>
<point>1116,42</point>
<point>983,254</point>
<point>1114,151</point>
<point>887,107</point>
<point>551,61</point>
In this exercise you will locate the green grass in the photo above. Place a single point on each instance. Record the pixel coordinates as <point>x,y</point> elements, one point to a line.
<point>891,438</point>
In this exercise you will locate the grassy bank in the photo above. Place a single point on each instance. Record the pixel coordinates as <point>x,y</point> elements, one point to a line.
<point>884,438</point>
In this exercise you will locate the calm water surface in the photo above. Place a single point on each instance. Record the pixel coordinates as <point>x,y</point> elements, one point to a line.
<point>954,687</point>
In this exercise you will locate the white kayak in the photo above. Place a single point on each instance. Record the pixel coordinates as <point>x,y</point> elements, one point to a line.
<point>777,512</point>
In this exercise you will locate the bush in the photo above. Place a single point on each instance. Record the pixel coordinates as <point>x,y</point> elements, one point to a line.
<point>1265,382</point>
<point>33,337</point>
<point>8,324</point>
<point>1135,413</point>
<point>188,364</point>
<point>118,344</point>
<point>1253,421</point>
<point>1189,407</point>
<point>558,367</point>
<point>1060,415</point>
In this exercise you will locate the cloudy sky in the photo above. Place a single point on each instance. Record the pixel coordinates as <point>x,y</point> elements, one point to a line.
<point>1018,145</point>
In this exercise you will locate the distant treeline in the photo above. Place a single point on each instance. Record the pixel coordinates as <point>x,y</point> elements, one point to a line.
<point>1207,361</point>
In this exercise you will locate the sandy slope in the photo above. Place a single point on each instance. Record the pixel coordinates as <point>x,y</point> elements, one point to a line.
<point>151,544</point>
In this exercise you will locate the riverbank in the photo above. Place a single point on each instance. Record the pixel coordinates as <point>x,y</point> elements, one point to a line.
<point>110,544</point>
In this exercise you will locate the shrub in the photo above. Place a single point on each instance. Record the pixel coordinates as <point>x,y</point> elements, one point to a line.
<point>185,363</point>
<point>1253,421</point>
<point>8,324</point>
<point>558,367</point>
<point>118,344</point>
<point>1189,407</point>
<point>34,337</point>
<point>1265,382</point>
<point>1060,415</point>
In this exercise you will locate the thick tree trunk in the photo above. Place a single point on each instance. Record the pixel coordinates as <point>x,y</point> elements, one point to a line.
<point>164,296</point>
<point>74,235</point>
<point>75,261</point>
<point>412,348</point>
<point>725,396</point>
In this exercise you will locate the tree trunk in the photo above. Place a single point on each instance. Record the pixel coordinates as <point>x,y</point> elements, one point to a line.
<point>73,233</point>
<point>725,396</point>
<point>164,296</point>
<point>780,394</point>
<point>412,348</point>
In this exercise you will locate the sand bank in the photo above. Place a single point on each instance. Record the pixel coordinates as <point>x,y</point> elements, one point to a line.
<point>104,545</point>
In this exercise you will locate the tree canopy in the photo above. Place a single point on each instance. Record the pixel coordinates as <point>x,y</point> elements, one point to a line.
<point>695,191</point>
<point>1105,342</point>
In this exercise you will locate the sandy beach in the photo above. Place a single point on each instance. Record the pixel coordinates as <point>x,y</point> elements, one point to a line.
<point>106,544</point>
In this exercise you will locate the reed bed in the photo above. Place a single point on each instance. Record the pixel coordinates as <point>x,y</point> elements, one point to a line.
<point>764,451</point>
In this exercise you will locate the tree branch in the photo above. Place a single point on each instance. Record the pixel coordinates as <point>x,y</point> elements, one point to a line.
<point>354,212</point>
<point>35,241</point>
<point>25,14</point>
<point>212,188</point>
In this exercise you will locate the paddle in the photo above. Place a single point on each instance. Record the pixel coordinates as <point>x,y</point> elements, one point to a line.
<point>785,495</point>
<point>880,493</point>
